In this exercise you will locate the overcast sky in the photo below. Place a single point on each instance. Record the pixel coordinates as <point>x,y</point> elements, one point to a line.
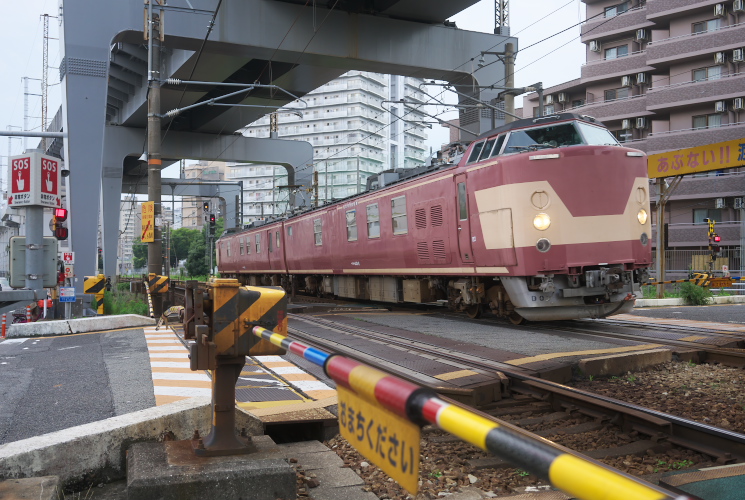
<point>21,34</point>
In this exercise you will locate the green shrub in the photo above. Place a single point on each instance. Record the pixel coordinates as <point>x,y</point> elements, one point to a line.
<point>124,303</point>
<point>695,295</point>
<point>122,287</point>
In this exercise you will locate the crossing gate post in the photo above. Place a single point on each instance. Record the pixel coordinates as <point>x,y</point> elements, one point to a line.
<point>220,319</point>
<point>96,285</point>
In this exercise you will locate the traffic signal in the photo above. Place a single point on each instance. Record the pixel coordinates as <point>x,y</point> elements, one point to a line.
<point>58,220</point>
<point>212,224</point>
<point>206,206</point>
<point>715,241</point>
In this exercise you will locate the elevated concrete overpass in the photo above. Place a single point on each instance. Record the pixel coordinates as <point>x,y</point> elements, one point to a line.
<point>287,43</point>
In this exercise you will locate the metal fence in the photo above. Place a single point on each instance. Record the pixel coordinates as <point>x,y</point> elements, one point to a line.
<point>679,263</point>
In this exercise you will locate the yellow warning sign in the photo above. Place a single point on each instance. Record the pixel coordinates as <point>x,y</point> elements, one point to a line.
<point>148,222</point>
<point>728,154</point>
<point>387,440</point>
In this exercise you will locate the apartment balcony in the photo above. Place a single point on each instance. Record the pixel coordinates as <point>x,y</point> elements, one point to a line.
<point>679,139</point>
<point>615,68</point>
<point>662,10</point>
<point>690,47</point>
<point>689,93</point>
<point>603,27</point>
<point>618,109</point>
<point>712,186</point>
<point>696,235</point>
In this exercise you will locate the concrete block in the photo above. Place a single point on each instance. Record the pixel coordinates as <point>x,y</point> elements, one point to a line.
<point>96,451</point>
<point>171,471</point>
<point>84,325</point>
<point>304,447</point>
<point>39,329</point>
<point>617,364</point>
<point>34,488</point>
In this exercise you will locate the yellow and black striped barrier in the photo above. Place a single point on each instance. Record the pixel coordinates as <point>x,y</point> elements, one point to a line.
<point>96,285</point>
<point>700,279</point>
<point>157,284</point>
<point>573,474</point>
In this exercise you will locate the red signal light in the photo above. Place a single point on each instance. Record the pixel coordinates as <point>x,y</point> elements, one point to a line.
<point>60,214</point>
<point>61,233</point>
<point>717,238</point>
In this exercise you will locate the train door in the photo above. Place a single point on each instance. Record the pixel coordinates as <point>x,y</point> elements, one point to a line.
<point>462,218</point>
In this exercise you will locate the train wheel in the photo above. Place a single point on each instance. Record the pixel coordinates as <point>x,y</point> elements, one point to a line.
<point>516,319</point>
<point>474,312</point>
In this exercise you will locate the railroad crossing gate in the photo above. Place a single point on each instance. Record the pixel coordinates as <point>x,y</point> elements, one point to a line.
<point>157,284</point>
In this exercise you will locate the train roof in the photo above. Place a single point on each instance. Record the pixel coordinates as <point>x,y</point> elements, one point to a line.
<point>539,121</point>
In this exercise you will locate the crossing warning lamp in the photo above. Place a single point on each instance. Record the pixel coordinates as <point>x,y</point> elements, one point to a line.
<point>715,240</point>
<point>60,216</point>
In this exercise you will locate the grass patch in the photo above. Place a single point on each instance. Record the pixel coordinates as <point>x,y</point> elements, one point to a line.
<point>123,302</point>
<point>695,295</point>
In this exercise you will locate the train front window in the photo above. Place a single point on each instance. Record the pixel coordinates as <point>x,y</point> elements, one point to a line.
<point>597,136</point>
<point>553,136</point>
<point>475,152</point>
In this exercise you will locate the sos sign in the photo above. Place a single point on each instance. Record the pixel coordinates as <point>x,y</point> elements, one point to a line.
<point>34,180</point>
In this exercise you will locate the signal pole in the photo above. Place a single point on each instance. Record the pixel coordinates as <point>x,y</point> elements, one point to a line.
<point>154,162</point>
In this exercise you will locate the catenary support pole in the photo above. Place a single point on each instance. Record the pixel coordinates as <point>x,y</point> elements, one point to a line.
<point>509,72</point>
<point>154,163</point>
<point>660,250</point>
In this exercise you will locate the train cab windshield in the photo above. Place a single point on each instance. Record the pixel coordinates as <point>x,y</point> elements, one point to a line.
<point>555,136</point>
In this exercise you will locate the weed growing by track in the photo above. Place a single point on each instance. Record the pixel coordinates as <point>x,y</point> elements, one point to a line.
<point>123,302</point>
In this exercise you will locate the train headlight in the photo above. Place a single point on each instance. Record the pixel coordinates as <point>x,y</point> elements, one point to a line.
<point>541,222</point>
<point>642,216</point>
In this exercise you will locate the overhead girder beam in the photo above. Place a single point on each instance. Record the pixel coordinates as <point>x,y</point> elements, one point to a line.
<point>245,30</point>
<point>126,76</point>
<point>125,143</point>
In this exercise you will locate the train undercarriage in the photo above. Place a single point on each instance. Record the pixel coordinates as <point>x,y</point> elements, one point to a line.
<point>594,293</point>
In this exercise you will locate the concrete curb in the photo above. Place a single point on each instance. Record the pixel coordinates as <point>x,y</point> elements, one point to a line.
<point>730,299</point>
<point>82,325</point>
<point>96,452</point>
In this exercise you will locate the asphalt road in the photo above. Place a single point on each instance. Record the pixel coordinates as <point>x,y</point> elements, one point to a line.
<point>724,313</point>
<point>52,383</point>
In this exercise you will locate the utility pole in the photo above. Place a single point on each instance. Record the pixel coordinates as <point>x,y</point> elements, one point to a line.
<point>315,186</point>
<point>509,70</point>
<point>154,162</point>
<point>45,80</point>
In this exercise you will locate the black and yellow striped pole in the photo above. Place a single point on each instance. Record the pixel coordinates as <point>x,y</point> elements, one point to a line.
<point>220,321</point>
<point>700,279</point>
<point>96,285</point>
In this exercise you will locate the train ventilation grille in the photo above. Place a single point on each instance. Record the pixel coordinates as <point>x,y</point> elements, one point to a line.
<point>436,215</point>
<point>422,250</point>
<point>438,250</point>
<point>420,218</point>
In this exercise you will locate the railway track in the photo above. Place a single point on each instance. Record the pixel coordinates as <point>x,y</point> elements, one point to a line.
<point>531,400</point>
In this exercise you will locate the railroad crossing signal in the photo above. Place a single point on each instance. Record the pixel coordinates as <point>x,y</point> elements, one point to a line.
<point>58,223</point>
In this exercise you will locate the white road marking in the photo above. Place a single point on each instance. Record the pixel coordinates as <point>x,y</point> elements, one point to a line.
<point>63,348</point>
<point>188,392</point>
<point>180,376</point>
<point>310,385</point>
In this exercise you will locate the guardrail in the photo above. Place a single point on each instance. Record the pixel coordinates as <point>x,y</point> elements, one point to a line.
<point>573,474</point>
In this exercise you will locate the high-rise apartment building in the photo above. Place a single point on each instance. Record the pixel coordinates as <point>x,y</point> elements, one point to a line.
<point>355,132</point>
<point>665,75</point>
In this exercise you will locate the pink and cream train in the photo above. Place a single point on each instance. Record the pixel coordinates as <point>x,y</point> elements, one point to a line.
<point>542,219</point>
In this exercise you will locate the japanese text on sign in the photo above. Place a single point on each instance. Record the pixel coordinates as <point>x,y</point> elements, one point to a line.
<point>384,438</point>
<point>148,222</point>
<point>717,156</point>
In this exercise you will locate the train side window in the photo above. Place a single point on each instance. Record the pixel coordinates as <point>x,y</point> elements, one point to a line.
<point>352,225</point>
<point>373,221</point>
<point>269,241</point>
<point>475,152</point>
<point>278,240</point>
<point>258,243</point>
<point>498,147</point>
<point>318,231</point>
<point>462,201</point>
<point>487,149</point>
<point>248,245</point>
<point>240,241</point>
<point>227,246</point>
<point>398,215</point>
<point>289,230</point>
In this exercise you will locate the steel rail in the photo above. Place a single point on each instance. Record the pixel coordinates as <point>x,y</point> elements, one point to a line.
<point>725,445</point>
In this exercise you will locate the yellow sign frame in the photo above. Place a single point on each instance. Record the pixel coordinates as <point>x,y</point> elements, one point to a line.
<point>387,440</point>
<point>718,156</point>
<point>148,222</point>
